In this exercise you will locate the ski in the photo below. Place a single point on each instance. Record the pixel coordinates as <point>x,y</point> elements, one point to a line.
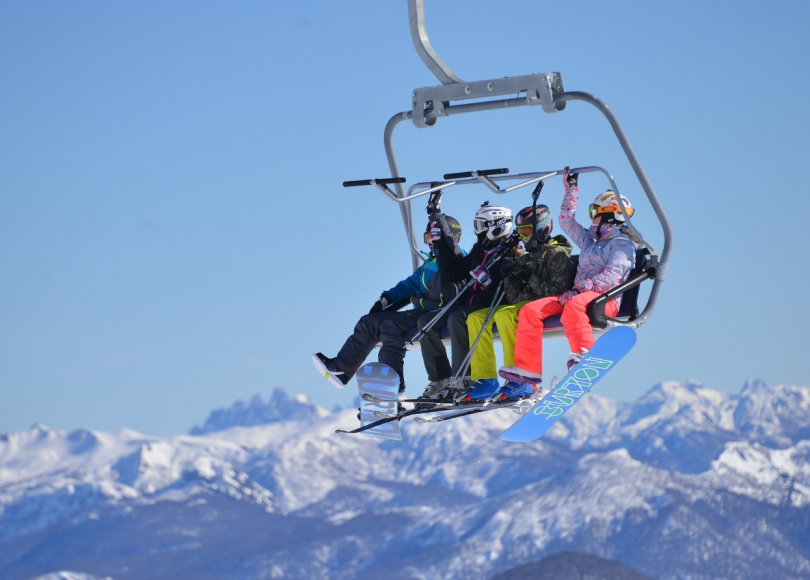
<point>374,399</point>
<point>387,417</point>
<point>603,356</point>
<point>520,406</point>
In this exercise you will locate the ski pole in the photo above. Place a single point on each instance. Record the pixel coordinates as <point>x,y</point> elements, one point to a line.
<point>440,311</point>
<point>496,301</point>
<point>500,253</point>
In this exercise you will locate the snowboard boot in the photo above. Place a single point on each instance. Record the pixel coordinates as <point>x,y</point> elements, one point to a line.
<point>329,368</point>
<point>434,388</point>
<point>574,359</point>
<point>519,375</point>
<point>432,392</point>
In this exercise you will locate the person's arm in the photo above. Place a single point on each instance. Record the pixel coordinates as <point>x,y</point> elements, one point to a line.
<point>410,285</point>
<point>454,265</point>
<point>580,235</point>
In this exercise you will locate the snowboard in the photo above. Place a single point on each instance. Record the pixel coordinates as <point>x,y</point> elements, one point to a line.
<point>382,383</point>
<point>603,356</point>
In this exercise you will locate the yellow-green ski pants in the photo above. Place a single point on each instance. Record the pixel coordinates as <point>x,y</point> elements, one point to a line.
<point>483,364</point>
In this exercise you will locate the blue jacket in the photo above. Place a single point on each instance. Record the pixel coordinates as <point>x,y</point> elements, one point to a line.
<point>424,287</point>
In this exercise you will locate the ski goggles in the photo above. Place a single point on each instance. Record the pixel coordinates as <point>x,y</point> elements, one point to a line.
<point>525,232</point>
<point>595,210</point>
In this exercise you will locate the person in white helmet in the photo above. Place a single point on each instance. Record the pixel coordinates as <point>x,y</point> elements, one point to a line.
<point>492,226</point>
<point>608,254</point>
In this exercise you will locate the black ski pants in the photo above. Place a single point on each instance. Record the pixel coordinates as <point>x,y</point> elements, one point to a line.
<point>434,354</point>
<point>385,327</point>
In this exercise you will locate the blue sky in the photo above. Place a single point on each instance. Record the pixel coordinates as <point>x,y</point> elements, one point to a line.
<point>174,235</point>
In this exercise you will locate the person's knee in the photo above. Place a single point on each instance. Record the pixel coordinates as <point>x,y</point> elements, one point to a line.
<point>423,321</point>
<point>575,313</point>
<point>457,319</point>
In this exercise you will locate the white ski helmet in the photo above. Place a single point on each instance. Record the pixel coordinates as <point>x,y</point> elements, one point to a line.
<point>607,206</point>
<point>495,220</point>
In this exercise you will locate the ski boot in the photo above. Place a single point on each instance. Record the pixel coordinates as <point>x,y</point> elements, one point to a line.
<point>329,368</point>
<point>516,390</point>
<point>482,389</point>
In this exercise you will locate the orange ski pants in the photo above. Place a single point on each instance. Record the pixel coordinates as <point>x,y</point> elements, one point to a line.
<point>529,338</point>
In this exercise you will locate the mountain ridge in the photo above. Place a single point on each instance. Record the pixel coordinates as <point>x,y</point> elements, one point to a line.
<point>723,478</point>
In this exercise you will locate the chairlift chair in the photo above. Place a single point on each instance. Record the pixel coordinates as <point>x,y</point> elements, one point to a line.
<point>543,89</point>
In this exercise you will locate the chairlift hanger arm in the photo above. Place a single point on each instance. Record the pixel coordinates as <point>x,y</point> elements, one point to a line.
<point>545,89</point>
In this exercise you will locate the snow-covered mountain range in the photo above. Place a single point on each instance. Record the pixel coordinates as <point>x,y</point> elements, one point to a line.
<point>685,482</point>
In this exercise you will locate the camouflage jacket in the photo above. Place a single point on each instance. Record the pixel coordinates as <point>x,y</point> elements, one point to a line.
<point>545,271</point>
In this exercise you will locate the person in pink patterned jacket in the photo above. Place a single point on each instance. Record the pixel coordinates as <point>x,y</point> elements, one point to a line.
<point>608,251</point>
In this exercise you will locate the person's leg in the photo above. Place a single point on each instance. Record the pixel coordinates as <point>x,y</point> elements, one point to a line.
<point>392,330</point>
<point>482,363</point>
<point>529,335</point>
<point>576,323</point>
<point>362,341</point>
<point>506,319</point>
<point>459,336</point>
<point>434,355</point>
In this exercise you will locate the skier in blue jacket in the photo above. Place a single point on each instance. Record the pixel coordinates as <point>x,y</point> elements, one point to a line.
<point>423,289</point>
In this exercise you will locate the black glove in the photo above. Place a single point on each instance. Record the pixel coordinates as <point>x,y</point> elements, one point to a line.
<point>381,304</point>
<point>570,178</point>
<point>506,266</point>
<point>518,275</point>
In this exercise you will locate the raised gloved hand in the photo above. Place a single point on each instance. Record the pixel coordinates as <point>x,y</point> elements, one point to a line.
<point>435,233</point>
<point>381,304</point>
<point>570,179</point>
<point>566,296</point>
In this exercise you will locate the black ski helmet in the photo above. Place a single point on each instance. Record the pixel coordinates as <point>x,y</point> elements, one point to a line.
<point>455,227</point>
<point>543,219</point>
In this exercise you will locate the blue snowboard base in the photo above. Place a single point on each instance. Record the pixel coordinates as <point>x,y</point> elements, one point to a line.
<point>603,356</point>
